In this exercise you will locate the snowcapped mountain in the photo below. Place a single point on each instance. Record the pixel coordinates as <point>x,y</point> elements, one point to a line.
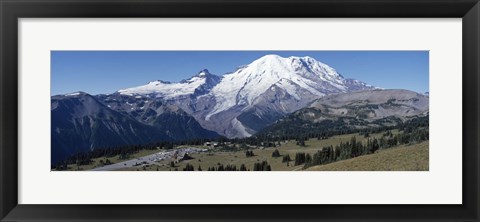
<point>197,84</point>
<point>299,77</point>
<point>240,103</point>
<point>257,94</point>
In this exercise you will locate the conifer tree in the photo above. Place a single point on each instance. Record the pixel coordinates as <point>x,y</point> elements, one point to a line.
<point>243,167</point>
<point>276,153</point>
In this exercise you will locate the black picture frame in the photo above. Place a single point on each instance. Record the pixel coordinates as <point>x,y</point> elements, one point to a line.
<point>12,10</point>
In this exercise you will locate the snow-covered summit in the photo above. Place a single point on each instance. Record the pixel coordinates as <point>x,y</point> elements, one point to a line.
<point>249,81</point>
<point>159,88</point>
<point>244,101</point>
<point>203,74</point>
<point>293,75</point>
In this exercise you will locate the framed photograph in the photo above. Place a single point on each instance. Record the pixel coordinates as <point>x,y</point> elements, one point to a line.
<point>225,110</point>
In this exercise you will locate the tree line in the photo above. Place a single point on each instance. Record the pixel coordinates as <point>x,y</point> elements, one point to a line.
<point>354,148</point>
<point>260,166</point>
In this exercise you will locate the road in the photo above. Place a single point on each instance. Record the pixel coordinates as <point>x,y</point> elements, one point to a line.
<point>151,159</point>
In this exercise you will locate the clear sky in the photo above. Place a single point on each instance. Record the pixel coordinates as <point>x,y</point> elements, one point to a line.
<point>98,72</point>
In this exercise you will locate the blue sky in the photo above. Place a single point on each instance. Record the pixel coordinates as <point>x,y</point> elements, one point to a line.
<point>98,72</point>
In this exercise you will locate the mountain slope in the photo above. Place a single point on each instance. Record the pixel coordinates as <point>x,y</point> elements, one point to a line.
<point>402,158</point>
<point>355,110</point>
<point>81,123</point>
<point>246,85</point>
<point>163,115</point>
<point>257,94</point>
<point>243,102</point>
<point>373,104</point>
<point>196,85</point>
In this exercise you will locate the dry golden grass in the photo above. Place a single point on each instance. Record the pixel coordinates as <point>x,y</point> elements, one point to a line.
<point>401,158</point>
<point>206,160</point>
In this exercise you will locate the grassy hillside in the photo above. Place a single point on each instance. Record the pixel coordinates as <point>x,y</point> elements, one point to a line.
<point>213,158</point>
<point>401,158</point>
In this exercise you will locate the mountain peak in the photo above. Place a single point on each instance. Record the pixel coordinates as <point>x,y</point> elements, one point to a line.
<point>203,73</point>
<point>271,58</point>
<point>200,82</point>
<point>301,78</point>
<point>298,63</point>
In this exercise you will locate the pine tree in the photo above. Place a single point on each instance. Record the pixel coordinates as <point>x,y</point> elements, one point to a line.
<point>276,153</point>
<point>243,167</point>
<point>263,166</point>
<point>286,158</point>
<point>249,153</point>
<point>299,158</point>
<point>308,159</point>
<point>188,167</point>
